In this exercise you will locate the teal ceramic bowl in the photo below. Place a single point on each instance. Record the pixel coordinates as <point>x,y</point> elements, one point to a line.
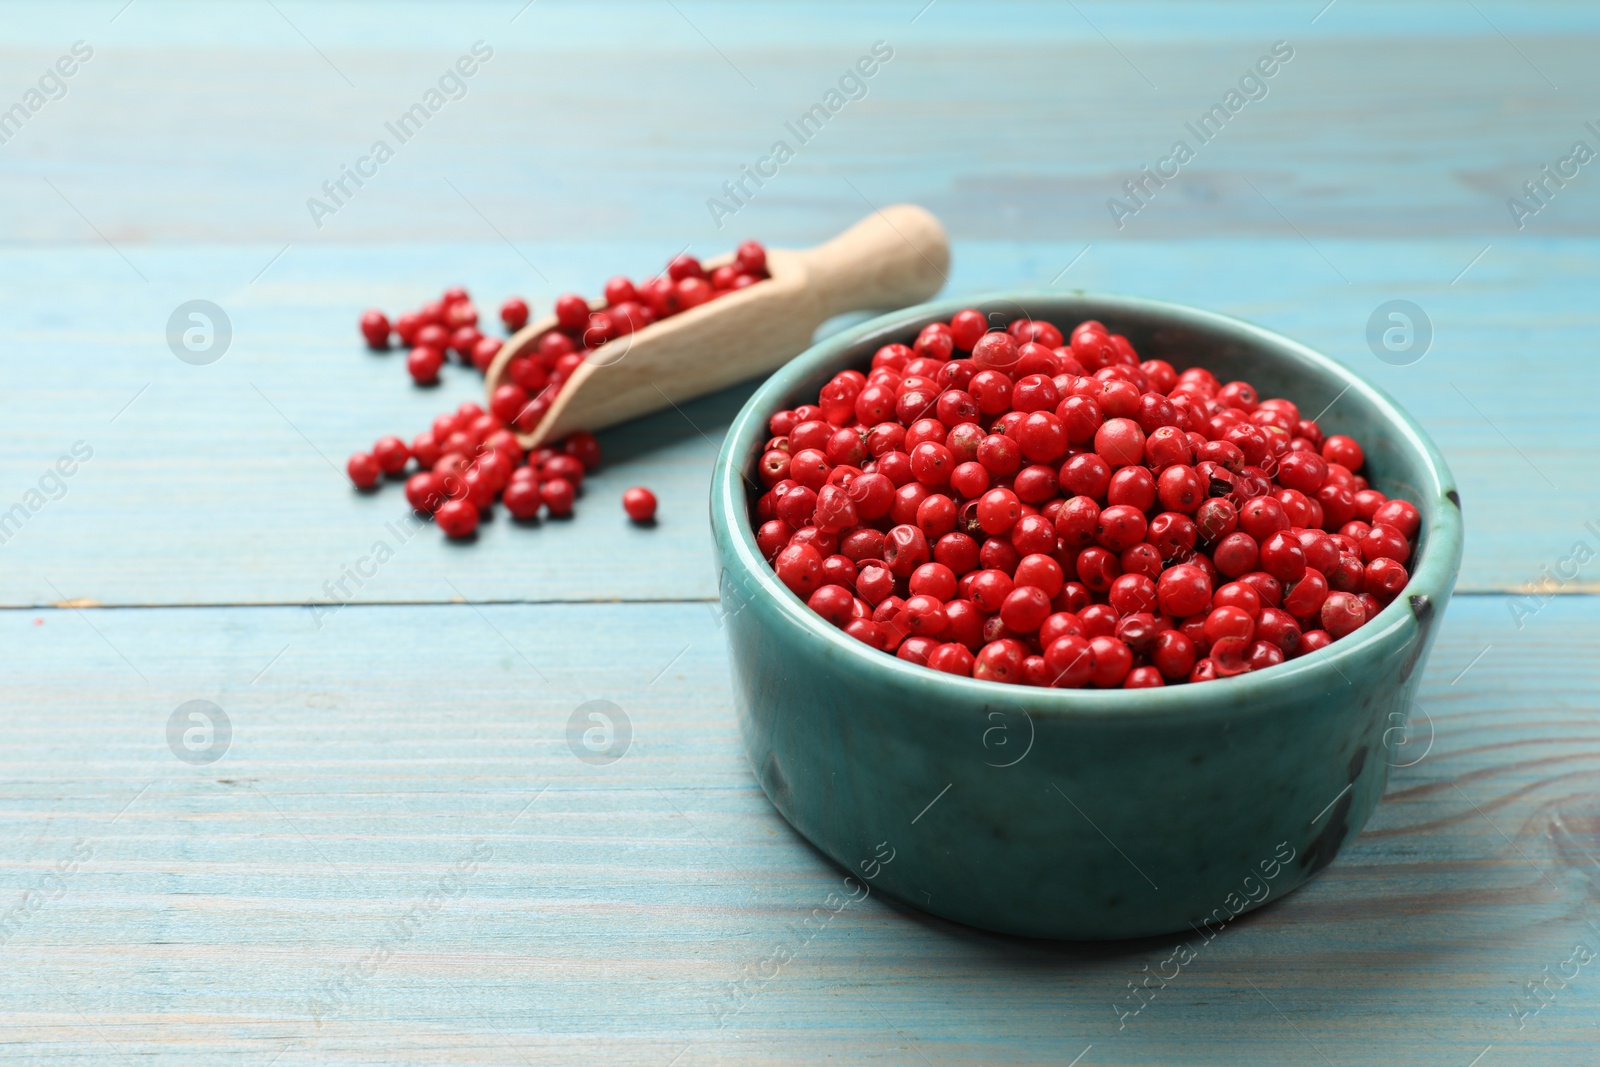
<point>1083,814</point>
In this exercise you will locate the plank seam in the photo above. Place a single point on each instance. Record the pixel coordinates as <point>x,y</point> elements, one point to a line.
<point>205,605</point>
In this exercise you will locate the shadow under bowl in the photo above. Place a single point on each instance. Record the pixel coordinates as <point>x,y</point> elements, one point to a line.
<point>1083,814</point>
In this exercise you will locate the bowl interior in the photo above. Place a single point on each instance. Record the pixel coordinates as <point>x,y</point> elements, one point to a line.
<point>1401,461</point>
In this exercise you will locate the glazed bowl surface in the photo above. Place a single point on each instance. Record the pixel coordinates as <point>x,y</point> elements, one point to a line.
<point>1083,814</point>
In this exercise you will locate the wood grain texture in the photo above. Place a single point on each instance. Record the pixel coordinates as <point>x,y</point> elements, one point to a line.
<point>180,914</point>
<point>607,922</point>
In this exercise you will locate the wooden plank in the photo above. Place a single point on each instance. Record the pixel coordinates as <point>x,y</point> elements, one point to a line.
<point>210,487</point>
<point>208,913</point>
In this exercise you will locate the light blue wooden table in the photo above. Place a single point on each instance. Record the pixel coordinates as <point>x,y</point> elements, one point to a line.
<point>398,858</point>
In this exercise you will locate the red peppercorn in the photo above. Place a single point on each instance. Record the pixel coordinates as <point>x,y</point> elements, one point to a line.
<point>751,258</point>
<point>1120,442</point>
<point>522,497</point>
<point>1174,655</point>
<point>1262,516</point>
<point>423,364</point>
<point>839,570</point>
<point>931,464</point>
<point>364,470</point>
<point>998,511</point>
<point>683,266</point>
<point>952,658</point>
<point>905,549</point>
<point>375,328</point>
<point>995,352</point>
<point>1077,521</point>
<point>514,313</point>
<point>692,292</point>
<point>483,352</point>
<point>1132,594</point>
<point>833,603</point>
<point>1040,571</point>
<point>564,467</point>
<point>1282,557</point>
<point>924,615</point>
<point>464,340</point>
<point>800,568</point>
<point>406,325</point>
<point>1142,558</point>
<point>433,335</point>
<point>1263,654</point>
<point>559,495</point>
<point>457,518</point>
<point>572,312</point>
<point>392,454</point>
<point>1183,590</point>
<point>867,632</point>
<point>936,516</point>
<point>1120,526</point>
<point>1033,533</point>
<point>1143,678</point>
<point>1279,628</point>
<point>1086,474</point>
<point>1000,661</point>
<point>508,401</point>
<point>1344,451</point>
<point>1304,598</point>
<point>425,492</point>
<point>1385,578</point>
<point>958,551</point>
<point>1312,640</point>
<point>481,487</point>
<point>772,536</point>
<point>966,327</point>
<point>1069,662</point>
<point>1112,661</point>
<point>1025,608</point>
<point>1097,568</point>
<point>640,504</point>
<point>1342,613</point>
<point>1228,624</point>
<point>1384,542</point>
<point>1236,554</point>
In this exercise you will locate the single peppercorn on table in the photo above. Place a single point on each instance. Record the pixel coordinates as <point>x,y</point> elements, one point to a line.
<point>486,802</point>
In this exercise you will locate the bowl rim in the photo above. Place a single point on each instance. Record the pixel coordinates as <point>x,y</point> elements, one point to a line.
<point>1432,576</point>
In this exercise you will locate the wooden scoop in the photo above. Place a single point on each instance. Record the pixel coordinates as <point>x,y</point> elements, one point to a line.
<point>892,258</point>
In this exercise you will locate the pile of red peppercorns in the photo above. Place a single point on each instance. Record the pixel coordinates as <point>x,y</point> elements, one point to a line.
<point>1022,507</point>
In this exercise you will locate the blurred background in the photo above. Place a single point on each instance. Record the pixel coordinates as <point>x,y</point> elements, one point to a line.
<point>1412,160</point>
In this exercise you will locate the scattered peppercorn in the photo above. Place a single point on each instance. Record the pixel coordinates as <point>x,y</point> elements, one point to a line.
<point>640,504</point>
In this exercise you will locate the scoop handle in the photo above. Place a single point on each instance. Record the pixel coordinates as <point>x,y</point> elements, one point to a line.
<point>893,257</point>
